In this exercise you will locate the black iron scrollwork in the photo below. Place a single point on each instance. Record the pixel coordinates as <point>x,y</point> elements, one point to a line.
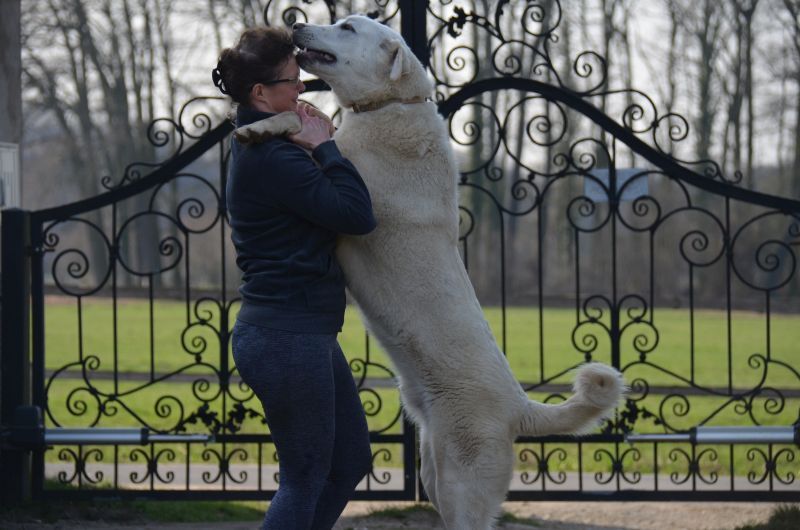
<point>530,140</point>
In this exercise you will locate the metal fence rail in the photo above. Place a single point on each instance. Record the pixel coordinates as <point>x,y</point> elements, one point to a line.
<point>725,435</point>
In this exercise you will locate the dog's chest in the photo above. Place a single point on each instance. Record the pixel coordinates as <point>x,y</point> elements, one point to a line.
<point>407,178</point>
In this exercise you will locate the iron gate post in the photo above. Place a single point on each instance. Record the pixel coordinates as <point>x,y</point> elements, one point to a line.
<point>15,388</point>
<point>36,347</point>
<point>413,28</point>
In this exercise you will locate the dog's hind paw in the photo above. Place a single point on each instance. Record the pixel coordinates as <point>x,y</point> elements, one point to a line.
<point>262,130</point>
<point>600,384</point>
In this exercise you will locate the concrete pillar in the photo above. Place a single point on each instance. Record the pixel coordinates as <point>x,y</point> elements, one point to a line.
<point>10,103</point>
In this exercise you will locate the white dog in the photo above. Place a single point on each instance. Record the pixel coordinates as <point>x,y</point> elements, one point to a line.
<point>411,285</point>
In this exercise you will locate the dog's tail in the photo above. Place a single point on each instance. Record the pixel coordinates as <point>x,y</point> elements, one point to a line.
<point>597,390</point>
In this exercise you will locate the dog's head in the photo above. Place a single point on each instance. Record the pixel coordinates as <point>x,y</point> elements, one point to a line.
<point>362,60</point>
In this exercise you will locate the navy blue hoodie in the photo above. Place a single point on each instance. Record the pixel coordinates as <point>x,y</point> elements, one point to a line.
<point>285,212</point>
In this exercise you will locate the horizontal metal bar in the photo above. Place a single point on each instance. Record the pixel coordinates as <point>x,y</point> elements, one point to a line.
<point>267,438</point>
<point>753,495</point>
<point>746,435</point>
<point>657,495</point>
<point>110,436</point>
<point>384,382</point>
<point>182,438</point>
<point>93,436</point>
<point>725,435</point>
<point>641,438</point>
<point>567,438</point>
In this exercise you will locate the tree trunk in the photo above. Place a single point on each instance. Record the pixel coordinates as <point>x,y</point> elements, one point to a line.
<point>751,117</point>
<point>628,57</point>
<point>795,178</point>
<point>793,7</point>
<point>707,36</point>
<point>782,110</point>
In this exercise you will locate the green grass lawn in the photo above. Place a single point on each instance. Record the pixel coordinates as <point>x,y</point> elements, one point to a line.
<point>179,340</point>
<point>141,402</point>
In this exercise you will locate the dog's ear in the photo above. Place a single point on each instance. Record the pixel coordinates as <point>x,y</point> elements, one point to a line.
<point>397,64</point>
<point>397,53</point>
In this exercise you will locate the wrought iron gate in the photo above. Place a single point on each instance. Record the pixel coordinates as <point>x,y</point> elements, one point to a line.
<point>575,256</point>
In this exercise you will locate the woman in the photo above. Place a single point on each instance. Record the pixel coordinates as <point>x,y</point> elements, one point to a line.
<point>286,209</point>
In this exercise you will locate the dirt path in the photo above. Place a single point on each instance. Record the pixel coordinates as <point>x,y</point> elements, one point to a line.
<point>595,515</point>
<point>544,516</point>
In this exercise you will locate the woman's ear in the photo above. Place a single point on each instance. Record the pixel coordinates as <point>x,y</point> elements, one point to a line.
<point>257,93</point>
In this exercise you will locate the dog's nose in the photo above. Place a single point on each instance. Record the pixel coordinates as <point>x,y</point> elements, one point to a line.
<point>298,25</point>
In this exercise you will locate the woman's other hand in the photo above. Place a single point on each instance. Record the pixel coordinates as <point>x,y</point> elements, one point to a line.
<point>314,132</point>
<point>314,111</point>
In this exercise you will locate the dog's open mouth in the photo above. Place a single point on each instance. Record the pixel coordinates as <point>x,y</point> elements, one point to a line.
<point>312,55</point>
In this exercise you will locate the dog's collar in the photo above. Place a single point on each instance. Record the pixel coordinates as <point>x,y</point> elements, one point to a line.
<point>375,105</point>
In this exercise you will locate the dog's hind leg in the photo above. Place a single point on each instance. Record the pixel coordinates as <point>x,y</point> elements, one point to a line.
<point>470,494</point>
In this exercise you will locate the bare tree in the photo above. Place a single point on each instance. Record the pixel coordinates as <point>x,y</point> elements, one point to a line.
<point>674,26</point>
<point>742,80</point>
<point>211,7</point>
<point>733,85</point>
<point>793,8</point>
<point>249,11</point>
<point>93,64</point>
<point>781,111</point>
<point>618,43</point>
<point>702,21</point>
<point>615,44</point>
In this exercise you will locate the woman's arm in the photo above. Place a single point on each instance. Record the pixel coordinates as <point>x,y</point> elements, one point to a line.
<point>332,195</point>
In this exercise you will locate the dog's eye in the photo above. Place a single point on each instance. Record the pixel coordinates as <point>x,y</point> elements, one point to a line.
<point>347,27</point>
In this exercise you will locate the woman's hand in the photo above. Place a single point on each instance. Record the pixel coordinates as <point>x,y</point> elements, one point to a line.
<point>314,132</point>
<point>314,111</point>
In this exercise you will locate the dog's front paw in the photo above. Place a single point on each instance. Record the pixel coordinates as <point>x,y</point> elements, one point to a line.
<point>279,125</point>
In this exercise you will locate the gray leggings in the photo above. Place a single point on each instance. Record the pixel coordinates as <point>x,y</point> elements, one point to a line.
<point>316,419</point>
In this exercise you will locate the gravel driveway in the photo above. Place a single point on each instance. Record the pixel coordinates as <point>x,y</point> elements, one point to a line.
<point>545,516</point>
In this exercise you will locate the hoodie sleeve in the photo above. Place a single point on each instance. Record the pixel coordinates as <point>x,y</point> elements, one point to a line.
<point>332,195</point>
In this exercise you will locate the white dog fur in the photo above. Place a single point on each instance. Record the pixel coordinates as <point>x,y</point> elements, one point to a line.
<point>411,285</point>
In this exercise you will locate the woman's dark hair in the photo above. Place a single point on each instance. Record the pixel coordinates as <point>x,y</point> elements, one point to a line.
<point>257,58</point>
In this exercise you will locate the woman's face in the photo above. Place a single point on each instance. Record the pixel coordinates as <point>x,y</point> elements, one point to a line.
<point>282,95</point>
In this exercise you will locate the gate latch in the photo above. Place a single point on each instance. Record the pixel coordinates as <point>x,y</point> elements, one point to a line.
<point>28,433</point>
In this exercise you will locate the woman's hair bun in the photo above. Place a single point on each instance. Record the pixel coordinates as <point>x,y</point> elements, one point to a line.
<point>257,57</point>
